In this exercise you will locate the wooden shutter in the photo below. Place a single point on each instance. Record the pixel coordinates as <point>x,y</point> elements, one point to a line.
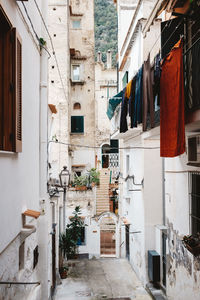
<point>17,111</point>
<point>8,89</point>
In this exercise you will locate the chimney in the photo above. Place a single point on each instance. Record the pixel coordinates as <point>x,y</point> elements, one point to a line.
<point>109,59</point>
<point>99,57</point>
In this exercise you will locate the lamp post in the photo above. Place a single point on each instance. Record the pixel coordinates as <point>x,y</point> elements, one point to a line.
<point>64,183</point>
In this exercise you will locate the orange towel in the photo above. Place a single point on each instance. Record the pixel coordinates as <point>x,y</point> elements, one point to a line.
<point>172,121</point>
<point>128,89</point>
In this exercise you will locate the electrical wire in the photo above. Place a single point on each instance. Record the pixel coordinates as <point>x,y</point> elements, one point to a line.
<point>53,49</point>
<point>106,148</point>
<point>166,25</point>
<point>34,31</point>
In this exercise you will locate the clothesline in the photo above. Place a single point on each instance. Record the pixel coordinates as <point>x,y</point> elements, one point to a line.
<point>166,25</point>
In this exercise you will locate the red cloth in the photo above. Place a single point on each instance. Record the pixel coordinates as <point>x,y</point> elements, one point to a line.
<point>172,120</point>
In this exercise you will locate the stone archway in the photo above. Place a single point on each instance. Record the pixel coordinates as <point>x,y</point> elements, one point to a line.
<point>108,235</point>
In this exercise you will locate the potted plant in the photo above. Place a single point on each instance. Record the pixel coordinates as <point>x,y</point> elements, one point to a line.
<point>63,272</point>
<point>80,182</point>
<point>68,241</point>
<point>192,243</point>
<point>94,176</point>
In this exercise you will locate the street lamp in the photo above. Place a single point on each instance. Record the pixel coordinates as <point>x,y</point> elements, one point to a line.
<point>64,183</point>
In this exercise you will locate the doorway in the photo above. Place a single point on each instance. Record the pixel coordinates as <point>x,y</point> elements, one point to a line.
<point>127,242</point>
<point>105,156</point>
<point>108,237</point>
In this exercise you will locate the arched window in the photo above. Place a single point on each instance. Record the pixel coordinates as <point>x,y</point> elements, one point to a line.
<point>77,105</point>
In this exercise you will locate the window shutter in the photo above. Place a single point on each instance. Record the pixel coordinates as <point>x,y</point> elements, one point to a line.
<point>77,124</point>
<point>171,34</point>
<point>17,112</point>
<point>8,90</point>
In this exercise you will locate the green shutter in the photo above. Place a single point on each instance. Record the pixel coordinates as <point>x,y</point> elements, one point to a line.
<point>125,79</point>
<point>77,124</point>
<point>114,145</point>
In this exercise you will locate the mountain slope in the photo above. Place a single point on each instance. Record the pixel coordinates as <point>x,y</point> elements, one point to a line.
<point>105,28</point>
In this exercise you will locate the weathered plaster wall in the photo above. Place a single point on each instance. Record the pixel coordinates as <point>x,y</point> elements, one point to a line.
<point>9,270</point>
<point>83,40</point>
<point>183,269</point>
<point>23,179</point>
<point>59,90</point>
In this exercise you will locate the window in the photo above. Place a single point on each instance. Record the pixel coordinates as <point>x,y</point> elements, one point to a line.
<point>78,173</point>
<point>76,24</point>
<point>21,256</point>
<point>195,202</point>
<point>10,87</point>
<point>81,240</point>
<point>35,257</point>
<point>77,105</point>
<point>75,72</point>
<point>77,124</point>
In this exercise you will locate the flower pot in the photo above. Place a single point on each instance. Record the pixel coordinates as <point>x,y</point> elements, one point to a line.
<point>63,273</point>
<point>194,250</point>
<point>81,188</point>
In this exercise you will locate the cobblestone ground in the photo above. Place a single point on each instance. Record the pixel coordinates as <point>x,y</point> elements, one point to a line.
<point>107,278</point>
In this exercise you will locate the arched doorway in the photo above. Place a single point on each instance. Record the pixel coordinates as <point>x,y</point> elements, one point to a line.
<point>105,155</point>
<point>107,236</point>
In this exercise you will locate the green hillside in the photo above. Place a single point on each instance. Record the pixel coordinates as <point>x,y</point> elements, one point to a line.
<point>105,28</point>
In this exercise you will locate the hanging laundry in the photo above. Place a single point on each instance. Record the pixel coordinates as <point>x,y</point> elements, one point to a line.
<point>128,89</point>
<point>131,103</point>
<point>138,98</point>
<point>124,111</point>
<point>156,79</point>
<point>148,97</point>
<point>113,103</point>
<point>172,122</point>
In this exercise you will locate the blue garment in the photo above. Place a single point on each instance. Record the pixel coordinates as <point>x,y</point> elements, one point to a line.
<point>138,98</point>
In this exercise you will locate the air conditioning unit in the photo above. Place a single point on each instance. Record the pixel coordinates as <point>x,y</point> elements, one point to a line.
<point>194,151</point>
<point>153,266</point>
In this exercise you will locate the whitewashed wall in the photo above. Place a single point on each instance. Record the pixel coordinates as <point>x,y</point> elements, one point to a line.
<point>22,181</point>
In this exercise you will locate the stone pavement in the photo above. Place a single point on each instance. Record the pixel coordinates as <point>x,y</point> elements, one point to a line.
<point>102,279</point>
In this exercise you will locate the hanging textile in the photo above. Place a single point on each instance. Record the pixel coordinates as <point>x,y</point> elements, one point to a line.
<point>131,103</point>
<point>113,103</point>
<point>138,98</point>
<point>148,97</point>
<point>128,89</point>
<point>124,111</point>
<point>156,79</point>
<point>172,123</point>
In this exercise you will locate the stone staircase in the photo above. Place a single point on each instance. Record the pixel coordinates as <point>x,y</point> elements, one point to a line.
<point>102,199</point>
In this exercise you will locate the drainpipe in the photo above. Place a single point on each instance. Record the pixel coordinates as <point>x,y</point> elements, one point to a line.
<point>163,190</point>
<point>43,234</point>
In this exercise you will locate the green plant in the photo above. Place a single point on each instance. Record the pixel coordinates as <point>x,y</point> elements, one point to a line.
<point>80,180</point>
<point>94,176</point>
<point>69,239</point>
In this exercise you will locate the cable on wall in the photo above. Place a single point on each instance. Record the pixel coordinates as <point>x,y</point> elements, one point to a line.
<point>106,148</point>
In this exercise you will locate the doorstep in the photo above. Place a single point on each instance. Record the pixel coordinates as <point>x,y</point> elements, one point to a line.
<point>156,294</point>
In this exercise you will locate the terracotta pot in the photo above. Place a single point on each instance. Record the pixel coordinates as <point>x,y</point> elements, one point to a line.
<point>63,274</point>
<point>81,188</point>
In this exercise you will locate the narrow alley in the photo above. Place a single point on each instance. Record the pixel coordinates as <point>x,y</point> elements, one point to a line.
<point>107,278</point>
